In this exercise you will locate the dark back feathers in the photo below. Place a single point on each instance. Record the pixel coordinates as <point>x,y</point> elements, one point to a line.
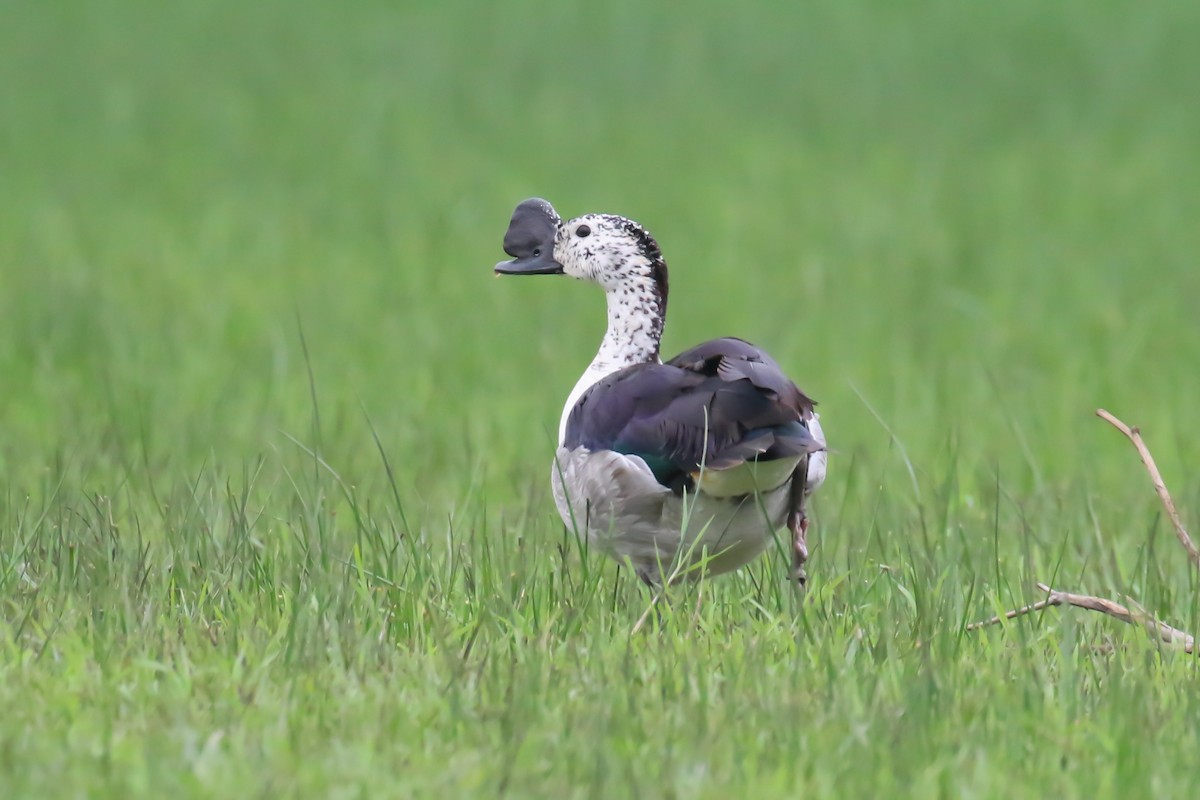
<point>718,404</point>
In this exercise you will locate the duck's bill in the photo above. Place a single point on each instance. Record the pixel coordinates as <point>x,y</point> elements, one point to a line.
<point>530,265</point>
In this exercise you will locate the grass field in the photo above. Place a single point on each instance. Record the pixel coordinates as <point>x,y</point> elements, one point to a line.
<point>274,445</point>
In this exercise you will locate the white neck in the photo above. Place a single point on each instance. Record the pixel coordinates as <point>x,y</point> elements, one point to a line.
<point>636,314</point>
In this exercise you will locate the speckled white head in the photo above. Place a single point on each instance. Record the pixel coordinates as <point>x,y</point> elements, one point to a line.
<point>613,251</point>
<point>609,250</point>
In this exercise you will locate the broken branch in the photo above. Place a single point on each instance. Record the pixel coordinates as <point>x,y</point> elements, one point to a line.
<point>1132,616</point>
<point>1135,616</point>
<point>1134,435</point>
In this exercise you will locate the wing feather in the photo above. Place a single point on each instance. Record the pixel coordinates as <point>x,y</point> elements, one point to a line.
<point>716,406</point>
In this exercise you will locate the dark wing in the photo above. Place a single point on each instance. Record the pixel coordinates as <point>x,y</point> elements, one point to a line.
<point>732,358</point>
<point>717,405</point>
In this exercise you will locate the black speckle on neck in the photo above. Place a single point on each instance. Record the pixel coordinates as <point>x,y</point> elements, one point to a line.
<point>658,264</point>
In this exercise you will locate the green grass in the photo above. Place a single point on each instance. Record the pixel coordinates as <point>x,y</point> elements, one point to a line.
<point>274,445</point>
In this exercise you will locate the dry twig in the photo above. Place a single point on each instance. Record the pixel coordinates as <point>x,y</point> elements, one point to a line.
<point>1134,435</point>
<point>1135,615</point>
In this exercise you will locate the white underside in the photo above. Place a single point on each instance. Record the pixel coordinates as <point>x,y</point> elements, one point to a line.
<point>615,501</point>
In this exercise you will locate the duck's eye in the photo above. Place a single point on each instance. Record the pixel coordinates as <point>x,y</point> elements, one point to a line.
<point>582,231</point>
<point>537,251</point>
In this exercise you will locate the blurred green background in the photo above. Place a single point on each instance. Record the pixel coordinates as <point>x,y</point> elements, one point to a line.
<point>960,226</point>
<point>982,218</point>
